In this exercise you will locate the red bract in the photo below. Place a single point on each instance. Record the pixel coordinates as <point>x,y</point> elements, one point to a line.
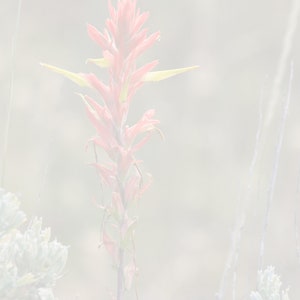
<point>122,41</point>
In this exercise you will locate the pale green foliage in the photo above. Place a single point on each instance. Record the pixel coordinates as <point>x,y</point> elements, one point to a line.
<point>268,286</point>
<point>10,215</point>
<point>30,263</point>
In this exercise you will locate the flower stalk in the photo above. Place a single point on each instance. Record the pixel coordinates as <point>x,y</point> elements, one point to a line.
<point>122,42</point>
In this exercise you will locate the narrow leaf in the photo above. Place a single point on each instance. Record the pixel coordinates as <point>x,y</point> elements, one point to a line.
<point>101,62</point>
<point>75,77</point>
<point>161,75</point>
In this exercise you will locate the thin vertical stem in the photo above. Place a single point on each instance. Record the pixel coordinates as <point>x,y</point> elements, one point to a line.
<point>283,61</point>
<point>232,259</point>
<point>272,184</point>
<point>11,96</point>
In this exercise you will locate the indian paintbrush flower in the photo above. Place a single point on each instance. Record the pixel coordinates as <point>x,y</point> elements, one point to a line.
<point>122,42</point>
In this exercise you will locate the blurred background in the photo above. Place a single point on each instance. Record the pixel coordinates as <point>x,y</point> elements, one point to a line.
<point>209,118</point>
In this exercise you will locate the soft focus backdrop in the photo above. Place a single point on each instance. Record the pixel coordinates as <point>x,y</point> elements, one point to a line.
<point>209,118</point>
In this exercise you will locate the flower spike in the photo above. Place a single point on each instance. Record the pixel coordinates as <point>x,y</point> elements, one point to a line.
<point>122,42</point>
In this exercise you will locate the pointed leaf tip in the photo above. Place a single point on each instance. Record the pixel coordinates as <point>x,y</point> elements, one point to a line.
<point>75,77</point>
<point>101,62</point>
<point>161,75</point>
